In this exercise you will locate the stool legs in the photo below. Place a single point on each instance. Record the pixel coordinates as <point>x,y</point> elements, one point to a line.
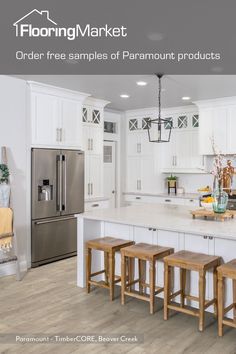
<point>220,304</point>
<point>234,298</point>
<point>111,274</point>
<point>202,292</point>
<point>88,267</point>
<point>142,276</point>
<point>215,287</point>
<point>152,276</point>
<point>123,278</point>
<point>106,267</point>
<point>167,272</point>
<point>131,272</point>
<point>182,285</point>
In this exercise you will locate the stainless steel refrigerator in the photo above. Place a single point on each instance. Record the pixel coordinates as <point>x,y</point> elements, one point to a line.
<point>57,195</point>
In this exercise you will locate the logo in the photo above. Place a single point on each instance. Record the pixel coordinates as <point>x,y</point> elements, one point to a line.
<point>39,24</point>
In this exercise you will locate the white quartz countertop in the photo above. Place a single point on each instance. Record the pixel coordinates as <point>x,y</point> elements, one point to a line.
<point>164,217</point>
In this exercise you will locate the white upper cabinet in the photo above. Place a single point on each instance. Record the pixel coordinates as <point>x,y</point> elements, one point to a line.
<point>181,154</point>
<point>45,121</point>
<point>217,122</point>
<point>92,123</point>
<point>56,116</point>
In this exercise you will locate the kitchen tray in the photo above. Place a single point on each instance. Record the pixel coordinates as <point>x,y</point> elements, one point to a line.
<point>204,213</point>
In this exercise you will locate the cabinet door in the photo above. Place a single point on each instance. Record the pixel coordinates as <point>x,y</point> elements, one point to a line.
<point>183,149</point>
<point>71,123</point>
<point>133,176</point>
<point>96,175</point>
<point>96,140</point>
<point>148,179</point>
<point>167,239</point>
<point>133,144</point>
<point>205,131</point>
<point>86,138</point>
<point>45,120</point>
<point>146,147</point>
<point>87,187</point>
<point>168,152</point>
<point>227,250</point>
<point>197,161</point>
<point>220,128</point>
<point>231,130</point>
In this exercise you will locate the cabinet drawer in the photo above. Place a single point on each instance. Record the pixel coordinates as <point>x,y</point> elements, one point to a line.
<point>192,202</point>
<point>96,205</point>
<point>170,200</point>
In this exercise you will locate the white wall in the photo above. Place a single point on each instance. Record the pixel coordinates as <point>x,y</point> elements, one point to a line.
<point>13,135</point>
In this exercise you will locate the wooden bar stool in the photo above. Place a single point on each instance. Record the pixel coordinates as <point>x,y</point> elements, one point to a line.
<point>200,263</point>
<point>227,270</point>
<point>144,253</point>
<point>109,245</point>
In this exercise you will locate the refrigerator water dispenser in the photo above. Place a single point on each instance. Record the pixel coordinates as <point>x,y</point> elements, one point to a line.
<point>45,191</point>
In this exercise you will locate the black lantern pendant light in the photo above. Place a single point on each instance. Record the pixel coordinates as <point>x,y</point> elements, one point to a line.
<point>159,130</point>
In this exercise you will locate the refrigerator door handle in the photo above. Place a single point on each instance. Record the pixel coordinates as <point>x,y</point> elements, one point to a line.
<point>59,183</point>
<point>53,220</point>
<point>64,182</point>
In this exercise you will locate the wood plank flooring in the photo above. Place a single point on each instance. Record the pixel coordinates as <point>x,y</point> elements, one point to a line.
<point>47,302</point>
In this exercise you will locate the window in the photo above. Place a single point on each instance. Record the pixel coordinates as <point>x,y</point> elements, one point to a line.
<point>96,116</point>
<point>182,122</point>
<point>169,123</point>
<point>110,127</point>
<point>146,123</point>
<point>195,121</point>
<point>85,115</point>
<point>107,154</point>
<point>133,124</point>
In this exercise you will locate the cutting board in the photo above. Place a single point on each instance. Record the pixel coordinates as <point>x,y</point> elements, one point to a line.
<point>204,213</point>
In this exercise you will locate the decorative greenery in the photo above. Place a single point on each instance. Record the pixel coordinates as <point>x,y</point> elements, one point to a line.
<point>4,173</point>
<point>171,178</point>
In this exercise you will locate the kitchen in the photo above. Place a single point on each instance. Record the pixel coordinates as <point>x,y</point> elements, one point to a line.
<point>126,175</point>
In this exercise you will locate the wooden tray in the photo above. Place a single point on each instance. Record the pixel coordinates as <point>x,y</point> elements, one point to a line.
<point>204,213</point>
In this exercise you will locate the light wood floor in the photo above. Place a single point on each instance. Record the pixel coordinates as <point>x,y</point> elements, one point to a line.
<point>47,301</point>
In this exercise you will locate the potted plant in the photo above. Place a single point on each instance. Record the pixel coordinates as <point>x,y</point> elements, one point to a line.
<point>172,181</point>
<point>4,186</point>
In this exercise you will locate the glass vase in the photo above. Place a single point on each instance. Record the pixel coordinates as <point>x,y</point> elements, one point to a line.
<point>220,201</point>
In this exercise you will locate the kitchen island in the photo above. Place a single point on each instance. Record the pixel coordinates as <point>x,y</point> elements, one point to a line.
<point>165,225</point>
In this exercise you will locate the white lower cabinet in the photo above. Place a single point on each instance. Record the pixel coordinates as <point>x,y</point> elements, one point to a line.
<point>227,250</point>
<point>120,231</point>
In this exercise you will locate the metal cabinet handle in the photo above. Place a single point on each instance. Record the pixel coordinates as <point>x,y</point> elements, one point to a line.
<point>149,229</point>
<point>137,184</point>
<point>91,144</point>
<point>205,237</point>
<point>95,205</point>
<point>191,200</point>
<point>91,188</point>
<point>139,148</point>
<point>168,200</point>
<point>88,188</point>
<point>61,134</point>
<point>138,198</point>
<point>210,237</point>
<point>175,160</point>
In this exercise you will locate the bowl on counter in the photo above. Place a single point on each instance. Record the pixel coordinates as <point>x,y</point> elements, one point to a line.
<point>208,206</point>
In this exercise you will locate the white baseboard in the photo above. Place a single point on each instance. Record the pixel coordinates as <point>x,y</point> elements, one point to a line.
<point>10,268</point>
<point>7,269</point>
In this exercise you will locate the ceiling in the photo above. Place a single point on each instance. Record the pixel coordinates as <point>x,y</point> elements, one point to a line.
<point>109,87</point>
